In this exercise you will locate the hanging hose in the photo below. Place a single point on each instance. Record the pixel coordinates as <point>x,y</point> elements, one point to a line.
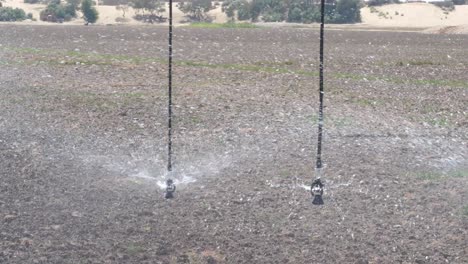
<point>169,143</point>
<point>317,186</point>
<point>170,186</point>
<point>318,165</point>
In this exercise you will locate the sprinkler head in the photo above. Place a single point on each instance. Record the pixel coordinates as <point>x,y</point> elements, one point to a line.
<point>170,189</point>
<point>316,189</point>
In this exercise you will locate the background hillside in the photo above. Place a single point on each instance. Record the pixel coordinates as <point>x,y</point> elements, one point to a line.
<point>408,15</point>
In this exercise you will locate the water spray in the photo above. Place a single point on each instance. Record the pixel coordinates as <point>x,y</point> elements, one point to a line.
<point>169,182</point>
<point>316,189</point>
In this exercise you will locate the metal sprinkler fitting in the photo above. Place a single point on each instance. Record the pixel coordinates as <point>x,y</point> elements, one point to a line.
<point>316,189</point>
<point>170,189</point>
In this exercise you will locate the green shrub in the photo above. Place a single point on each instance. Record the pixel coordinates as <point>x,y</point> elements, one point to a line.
<point>90,13</point>
<point>12,14</point>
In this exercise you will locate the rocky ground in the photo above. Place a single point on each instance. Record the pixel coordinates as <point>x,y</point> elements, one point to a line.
<point>83,146</point>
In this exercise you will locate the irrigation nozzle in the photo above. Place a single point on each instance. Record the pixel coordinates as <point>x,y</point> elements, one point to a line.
<point>316,189</point>
<point>170,189</point>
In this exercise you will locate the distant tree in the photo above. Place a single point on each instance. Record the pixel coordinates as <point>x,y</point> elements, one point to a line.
<point>123,8</point>
<point>300,11</point>
<point>239,8</point>
<point>447,5</point>
<point>274,11</point>
<point>12,14</point>
<point>90,13</point>
<point>148,10</point>
<point>256,8</point>
<point>459,2</point>
<point>74,3</point>
<point>57,12</point>
<point>379,2</point>
<point>137,5</point>
<point>154,7</point>
<point>347,11</point>
<point>269,10</point>
<point>196,10</point>
<point>230,7</point>
<point>31,1</point>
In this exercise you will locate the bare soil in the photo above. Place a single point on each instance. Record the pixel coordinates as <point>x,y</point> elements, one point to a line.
<point>83,146</point>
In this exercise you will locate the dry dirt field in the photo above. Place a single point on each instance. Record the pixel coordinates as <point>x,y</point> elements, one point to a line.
<point>83,146</point>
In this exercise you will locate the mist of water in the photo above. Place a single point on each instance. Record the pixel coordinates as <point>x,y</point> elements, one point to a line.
<point>152,168</point>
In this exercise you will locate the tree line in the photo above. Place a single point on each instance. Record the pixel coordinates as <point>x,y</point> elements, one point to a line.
<point>301,11</point>
<point>55,11</point>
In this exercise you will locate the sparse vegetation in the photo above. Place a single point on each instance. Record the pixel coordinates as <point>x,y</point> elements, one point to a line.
<point>221,25</point>
<point>134,249</point>
<point>417,63</point>
<point>429,176</point>
<point>439,122</point>
<point>460,174</point>
<point>465,210</point>
<point>433,175</point>
<point>74,57</point>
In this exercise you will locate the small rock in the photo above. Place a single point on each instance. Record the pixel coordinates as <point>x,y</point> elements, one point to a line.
<point>76,214</point>
<point>9,218</point>
<point>26,242</point>
<point>293,216</point>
